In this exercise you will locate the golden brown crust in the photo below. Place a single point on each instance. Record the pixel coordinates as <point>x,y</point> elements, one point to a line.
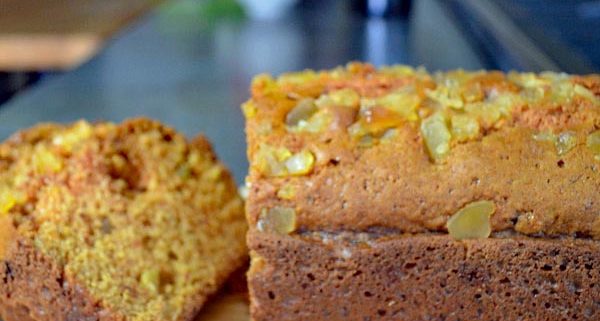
<point>385,188</point>
<point>422,277</point>
<point>393,182</point>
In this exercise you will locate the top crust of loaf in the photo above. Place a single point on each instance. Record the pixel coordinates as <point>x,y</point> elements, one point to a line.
<point>396,148</point>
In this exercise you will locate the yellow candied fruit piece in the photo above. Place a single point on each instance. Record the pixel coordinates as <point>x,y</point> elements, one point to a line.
<point>265,81</point>
<point>346,97</point>
<point>286,192</point>
<point>249,109</point>
<point>489,112</point>
<point>300,163</point>
<point>7,201</point>
<point>397,70</point>
<point>257,263</point>
<point>403,103</point>
<point>280,220</point>
<point>366,141</point>
<point>150,280</point>
<point>527,79</point>
<point>244,190</point>
<point>389,134</point>
<point>464,127</point>
<point>264,128</point>
<point>445,96</point>
<point>545,137</point>
<point>72,136</point>
<point>562,93</point>
<point>472,221</point>
<point>317,123</point>
<point>552,76</point>
<point>307,117</point>
<point>357,130</point>
<point>338,72</point>
<point>45,162</point>
<point>533,95</point>
<point>269,160</point>
<point>505,103</point>
<point>184,171</point>
<point>303,110</point>
<point>565,141</point>
<point>436,136</point>
<point>586,93</point>
<point>472,93</point>
<point>213,173</point>
<point>279,161</point>
<point>593,143</point>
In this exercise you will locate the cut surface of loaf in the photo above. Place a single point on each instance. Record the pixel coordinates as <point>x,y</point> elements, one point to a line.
<point>111,221</point>
<point>398,194</point>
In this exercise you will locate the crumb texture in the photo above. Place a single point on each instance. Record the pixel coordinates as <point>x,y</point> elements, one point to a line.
<point>357,148</point>
<point>131,216</point>
<point>424,277</point>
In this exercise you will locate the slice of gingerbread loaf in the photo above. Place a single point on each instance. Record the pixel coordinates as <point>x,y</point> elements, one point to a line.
<point>396,194</point>
<point>107,221</point>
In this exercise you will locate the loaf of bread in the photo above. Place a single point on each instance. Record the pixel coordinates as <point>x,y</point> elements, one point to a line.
<point>126,222</point>
<point>395,194</point>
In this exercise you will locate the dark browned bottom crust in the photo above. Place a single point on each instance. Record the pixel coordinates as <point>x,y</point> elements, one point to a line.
<point>35,288</point>
<point>424,277</point>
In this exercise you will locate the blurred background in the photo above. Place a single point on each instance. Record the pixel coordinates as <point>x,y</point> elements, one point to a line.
<point>189,63</point>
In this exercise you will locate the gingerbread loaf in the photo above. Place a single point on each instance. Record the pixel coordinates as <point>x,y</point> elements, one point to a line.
<point>105,221</point>
<point>396,194</point>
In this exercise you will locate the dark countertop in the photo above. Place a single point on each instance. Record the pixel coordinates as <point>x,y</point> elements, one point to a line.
<point>169,67</point>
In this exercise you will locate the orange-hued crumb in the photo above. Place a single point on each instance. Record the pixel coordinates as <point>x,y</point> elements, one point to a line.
<point>146,222</point>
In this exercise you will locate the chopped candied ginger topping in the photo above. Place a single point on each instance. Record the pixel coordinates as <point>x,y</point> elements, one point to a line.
<point>450,108</point>
<point>593,143</point>
<point>344,97</point>
<point>306,117</point>
<point>286,192</point>
<point>7,200</point>
<point>403,102</point>
<point>445,96</point>
<point>563,142</point>
<point>301,113</point>
<point>464,127</point>
<point>280,161</point>
<point>472,221</point>
<point>244,190</point>
<point>249,109</point>
<point>150,280</point>
<point>300,163</point>
<point>69,137</point>
<point>45,161</point>
<point>279,220</point>
<point>436,135</point>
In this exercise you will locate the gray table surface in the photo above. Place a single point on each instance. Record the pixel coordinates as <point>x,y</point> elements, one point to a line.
<point>171,67</point>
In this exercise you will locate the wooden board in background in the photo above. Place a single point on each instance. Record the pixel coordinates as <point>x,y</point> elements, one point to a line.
<point>60,34</point>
